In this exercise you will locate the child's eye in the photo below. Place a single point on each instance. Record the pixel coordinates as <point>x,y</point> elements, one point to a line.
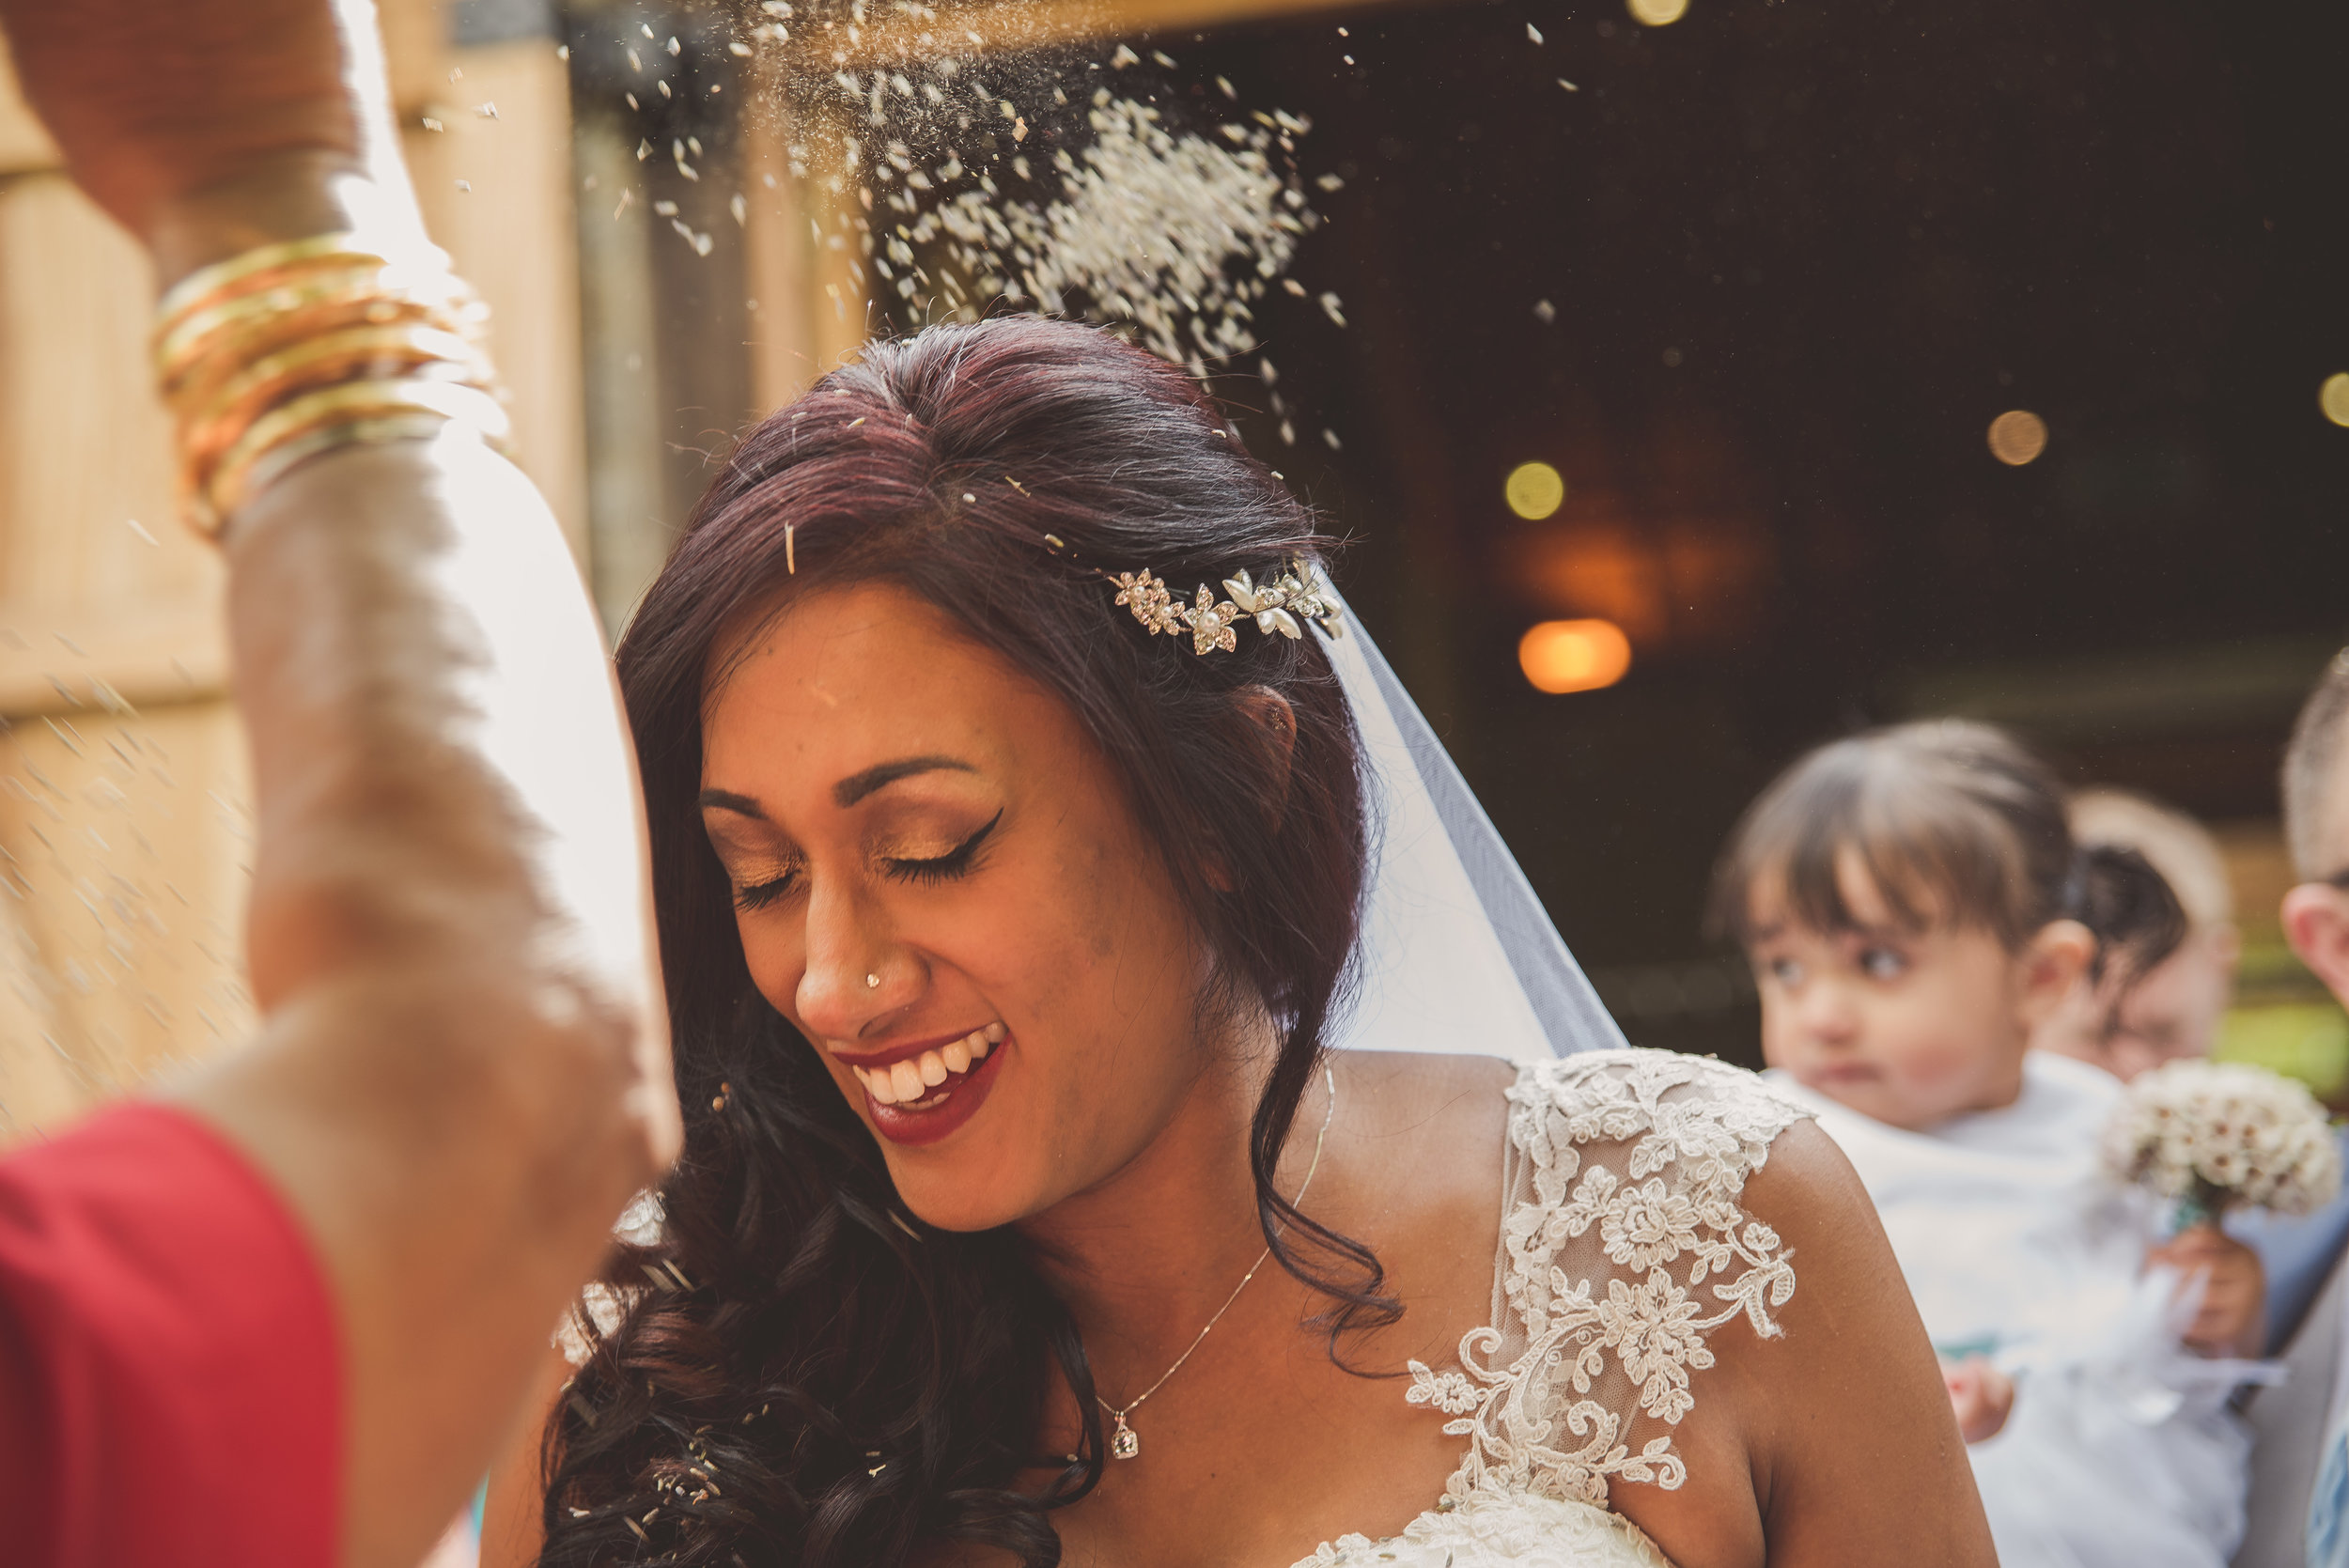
<point>943,867</point>
<point>1785,971</point>
<point>1882,963</point>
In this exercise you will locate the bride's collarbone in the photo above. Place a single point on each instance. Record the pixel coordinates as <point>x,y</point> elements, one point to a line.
<point>1259,1464</point>
<point>1264,1446</point>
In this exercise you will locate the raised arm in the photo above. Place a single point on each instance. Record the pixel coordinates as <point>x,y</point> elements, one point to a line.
<point>462,1072</point>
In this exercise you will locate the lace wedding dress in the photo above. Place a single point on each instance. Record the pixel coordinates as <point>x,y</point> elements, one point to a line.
<point>1622,1248</point>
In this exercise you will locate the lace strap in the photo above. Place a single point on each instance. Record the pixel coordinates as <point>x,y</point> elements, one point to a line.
<point>1623,1246</point>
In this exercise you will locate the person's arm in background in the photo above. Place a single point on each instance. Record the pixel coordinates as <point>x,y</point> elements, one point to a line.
<point>462,1072</point>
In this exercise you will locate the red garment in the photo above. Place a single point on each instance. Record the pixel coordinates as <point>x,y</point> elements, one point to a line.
<point>170,1375</point>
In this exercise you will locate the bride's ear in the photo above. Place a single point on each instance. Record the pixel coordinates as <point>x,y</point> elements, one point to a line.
<point>1271,724</point>
<point>1274,722</point>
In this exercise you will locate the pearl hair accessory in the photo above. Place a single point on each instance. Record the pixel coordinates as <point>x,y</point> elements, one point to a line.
<point>872,981</point>
<point>1277,606</point>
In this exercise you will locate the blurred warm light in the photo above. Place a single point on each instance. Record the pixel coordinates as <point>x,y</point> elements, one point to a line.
<point>1574,656</point>
<point>2333,396</point>
<point>1657,13</point>
<point>1535,490</point>
<point>2017,436</point>
<point>1680,582</point>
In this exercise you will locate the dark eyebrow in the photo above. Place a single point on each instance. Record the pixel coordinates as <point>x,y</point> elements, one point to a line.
<point>856,787</point>
<point>727,800</point>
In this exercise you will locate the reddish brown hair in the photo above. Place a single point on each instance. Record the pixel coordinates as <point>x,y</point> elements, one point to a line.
<point>854,1383</point>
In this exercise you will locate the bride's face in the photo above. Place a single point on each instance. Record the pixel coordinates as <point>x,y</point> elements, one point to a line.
<point>939,880</point>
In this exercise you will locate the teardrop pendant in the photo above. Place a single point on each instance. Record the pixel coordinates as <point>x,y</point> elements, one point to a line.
<point>1124,1444</point>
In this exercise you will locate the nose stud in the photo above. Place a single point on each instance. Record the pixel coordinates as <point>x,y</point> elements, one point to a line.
<point>872,981</point>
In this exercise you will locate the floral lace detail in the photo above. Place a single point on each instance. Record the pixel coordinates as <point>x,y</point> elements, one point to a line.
<point>1491,1530</point>
<point>1633,1159</point>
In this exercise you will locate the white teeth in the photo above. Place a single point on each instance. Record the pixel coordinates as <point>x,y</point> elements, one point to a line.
<point>877,1085</point>
<point>932,1069</point>
<point>994,1033</point>
<point>957,1056</point>
<point>905,1078</point>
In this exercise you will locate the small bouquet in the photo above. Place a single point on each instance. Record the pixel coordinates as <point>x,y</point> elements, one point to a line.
<point>2214,1136</point>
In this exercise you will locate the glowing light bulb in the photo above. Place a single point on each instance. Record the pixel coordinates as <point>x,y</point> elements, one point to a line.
<point>2333,397</point>
<point>1657,13</point>
<point>1534,490</point>
<point>2017,436</point>
<point>1559,656</point>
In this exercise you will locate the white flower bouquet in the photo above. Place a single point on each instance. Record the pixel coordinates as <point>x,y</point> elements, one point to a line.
<point>2214,1136</point>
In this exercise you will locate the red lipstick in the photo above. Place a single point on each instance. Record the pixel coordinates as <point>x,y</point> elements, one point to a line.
<point>941,1114</point>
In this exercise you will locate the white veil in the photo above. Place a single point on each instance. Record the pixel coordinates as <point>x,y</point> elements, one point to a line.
<point>1456,953</point>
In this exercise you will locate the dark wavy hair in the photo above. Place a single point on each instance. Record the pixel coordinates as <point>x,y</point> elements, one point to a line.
<point>804,1373</point>
<point>1957,824</point>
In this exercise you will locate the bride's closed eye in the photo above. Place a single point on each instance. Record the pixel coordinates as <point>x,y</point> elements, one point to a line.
<point>758,895</point>
<point>941,868</point>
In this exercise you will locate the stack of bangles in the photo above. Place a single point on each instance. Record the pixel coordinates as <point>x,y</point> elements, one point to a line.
<point>294,350</point>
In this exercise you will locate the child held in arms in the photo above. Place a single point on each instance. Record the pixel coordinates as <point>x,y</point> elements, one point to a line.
<point>1915,906</point>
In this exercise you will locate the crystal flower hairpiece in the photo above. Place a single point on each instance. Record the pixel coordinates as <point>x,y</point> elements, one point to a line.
<point>1278,605</point>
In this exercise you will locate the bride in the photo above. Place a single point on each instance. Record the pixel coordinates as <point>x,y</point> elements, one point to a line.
<point>1016,791</point>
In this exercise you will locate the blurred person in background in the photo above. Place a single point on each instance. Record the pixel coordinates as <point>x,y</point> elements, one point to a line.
<point>2173,1011</point>
<point>2128,1023</point>
<point>279,1310</point>
<point>2315,915</point>
<point>1914,907</point>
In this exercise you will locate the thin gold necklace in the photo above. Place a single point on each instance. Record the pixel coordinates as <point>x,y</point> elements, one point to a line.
<point>1124,1442</point>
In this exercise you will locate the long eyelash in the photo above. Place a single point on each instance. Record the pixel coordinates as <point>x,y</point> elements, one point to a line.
<point>764,894</point>
<point>951,865</point>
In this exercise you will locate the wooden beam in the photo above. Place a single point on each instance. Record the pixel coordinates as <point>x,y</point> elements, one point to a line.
<point>809,310</point>
<point>59,659</point>
<point>1010,24</point>
<point>495,186</point>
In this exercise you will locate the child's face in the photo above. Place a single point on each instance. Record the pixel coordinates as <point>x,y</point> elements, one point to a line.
<point>1907,1027</point>
<point>2172,1012</point>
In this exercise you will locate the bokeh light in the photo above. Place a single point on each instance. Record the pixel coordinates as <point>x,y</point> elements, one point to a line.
<point>1657,13</point>
<point>2333,397</point>
<point>1574,656</point>
<point>1534,490</point>
<point>2017,436</point>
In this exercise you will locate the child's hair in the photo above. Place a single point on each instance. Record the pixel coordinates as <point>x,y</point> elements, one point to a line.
<point>1955,824</point>
<point>2181,848</point>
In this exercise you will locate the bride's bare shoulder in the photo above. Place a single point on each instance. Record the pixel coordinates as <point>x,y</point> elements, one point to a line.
<point>1422,1138</point>
<point>1433,1103</point>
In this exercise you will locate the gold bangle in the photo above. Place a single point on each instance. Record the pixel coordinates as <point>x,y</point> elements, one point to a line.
<point>226,327</point>
<point>222,491</point>
<point>282,460</point>
<point>291,349</point>
<point>206,381</point>
<point>369,352</point>
<point>217,322</point>
<point>256,268</point>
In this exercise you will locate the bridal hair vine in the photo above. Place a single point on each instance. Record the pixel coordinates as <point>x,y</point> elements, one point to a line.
<point>1279,605</point>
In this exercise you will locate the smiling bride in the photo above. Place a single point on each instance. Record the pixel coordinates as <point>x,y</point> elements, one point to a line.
<point>1024,815</point>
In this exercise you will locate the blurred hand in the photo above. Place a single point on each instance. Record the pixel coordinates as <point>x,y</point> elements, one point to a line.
<point>246,111</point>
<point>1981,1395</point>
<point>2232,1319</point>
